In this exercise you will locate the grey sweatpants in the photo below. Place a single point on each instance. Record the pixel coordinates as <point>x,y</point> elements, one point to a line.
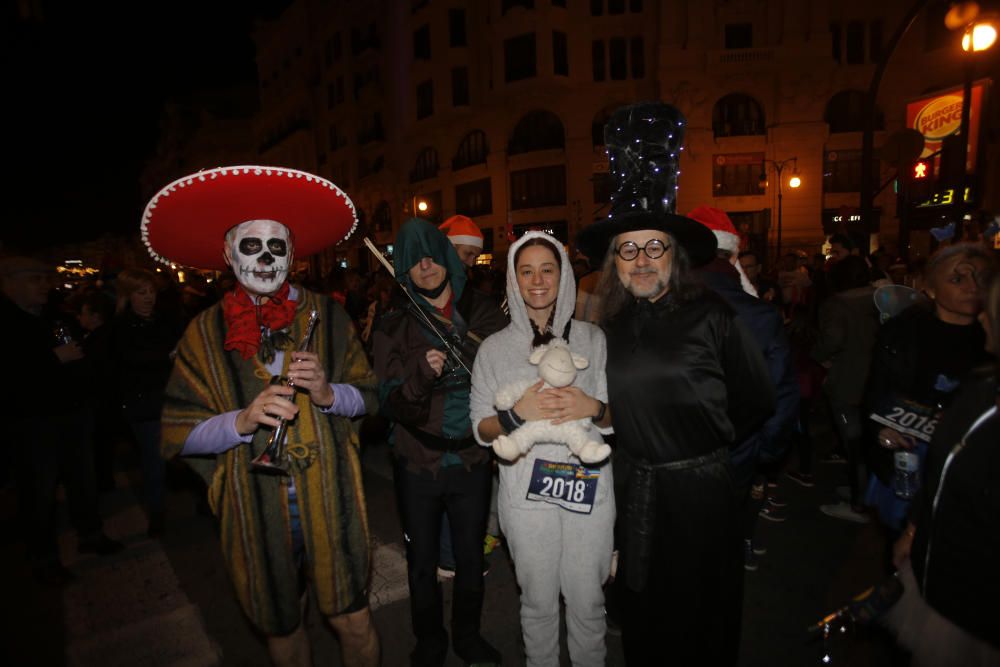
<point>555,551</point>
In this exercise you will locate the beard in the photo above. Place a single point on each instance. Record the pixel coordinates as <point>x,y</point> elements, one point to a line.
<point>650,289</point>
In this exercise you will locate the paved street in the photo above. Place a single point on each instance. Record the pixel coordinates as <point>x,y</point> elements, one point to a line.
<point>168,602</point>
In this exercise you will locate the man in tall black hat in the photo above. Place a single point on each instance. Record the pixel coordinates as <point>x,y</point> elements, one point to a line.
<point>685,381</point>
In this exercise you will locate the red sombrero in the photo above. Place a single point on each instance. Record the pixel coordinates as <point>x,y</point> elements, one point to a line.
<point>186,221</point>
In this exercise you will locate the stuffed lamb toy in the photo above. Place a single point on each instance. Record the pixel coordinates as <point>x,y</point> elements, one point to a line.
<point>557,366</point>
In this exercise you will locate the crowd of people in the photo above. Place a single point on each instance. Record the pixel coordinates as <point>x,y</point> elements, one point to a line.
<point>662,381</point>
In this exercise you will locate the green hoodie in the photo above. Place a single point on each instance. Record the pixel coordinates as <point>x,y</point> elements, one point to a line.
<point>418,239</point>
<point>401,341</point>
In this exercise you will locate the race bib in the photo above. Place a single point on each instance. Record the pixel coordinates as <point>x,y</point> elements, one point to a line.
<point>907,416</point>
<point>572,487</point>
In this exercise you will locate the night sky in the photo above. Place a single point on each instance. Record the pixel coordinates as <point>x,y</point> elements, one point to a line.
<point>89,84</point>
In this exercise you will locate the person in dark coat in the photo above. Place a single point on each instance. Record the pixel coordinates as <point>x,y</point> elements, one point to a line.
<point>686,382</point>
<point>766,446</point>
<point>49,414</point>
<point>141,344</point>
<point>920,359</point>
<point>948,553</point>
<point>848,324</point>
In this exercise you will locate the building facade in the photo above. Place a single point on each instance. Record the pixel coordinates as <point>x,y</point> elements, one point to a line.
<point>495,108</point>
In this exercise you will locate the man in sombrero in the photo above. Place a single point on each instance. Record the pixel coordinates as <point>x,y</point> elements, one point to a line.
<point>279,532</point>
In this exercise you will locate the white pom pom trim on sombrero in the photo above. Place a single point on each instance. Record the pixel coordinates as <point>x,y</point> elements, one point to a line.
<point>212,174</point>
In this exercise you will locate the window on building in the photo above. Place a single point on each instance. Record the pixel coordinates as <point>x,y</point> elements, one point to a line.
<point>596,7</point>
<point>835,37</point>
<point>364,38</point>
<point>331,95</point>
<point>541,186</point>
<point>842,171</point>
<point>337,140</point>
<point>739,36</point>
<point>472,150</point>
<point>559,3</point>
<point>855,43</point>
<point>604,187</point>
<point>368,167</point>
<point>507,5</point>
<point>597,57</point>
<point>338,86</point>
<point>475,198</point>
<point>875,41</point>
<point>425,99</point>
<point>382,218</point>
<point>371,130</point>
<point>560,54</point>
<point>460,86</point>
<point>845,112</point>
<point>619,58</point>
<point>422,43</point>
<point>597,126</point>
<point>738,115</point>
<point>456,28</point>
<point>519,57</point>
<point>426,165</point>
<point>537,131</point>
<point>637,58</point>
<point>616,7</point>
<point>635,6</point>
<point>737,174</point>
<point>338,47</point>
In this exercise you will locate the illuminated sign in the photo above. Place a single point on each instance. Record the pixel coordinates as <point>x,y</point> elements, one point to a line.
<point>854,217</point>
<point>940,115</point>
<point>945,198</point>
<point>920,170</point>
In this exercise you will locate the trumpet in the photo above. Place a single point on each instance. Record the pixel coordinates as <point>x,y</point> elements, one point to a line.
<point>274,458</point>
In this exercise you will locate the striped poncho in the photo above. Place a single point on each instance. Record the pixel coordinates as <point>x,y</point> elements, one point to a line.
<point>252,507</point>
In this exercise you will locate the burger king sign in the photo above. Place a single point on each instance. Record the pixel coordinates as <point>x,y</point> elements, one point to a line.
<point>940,115</point>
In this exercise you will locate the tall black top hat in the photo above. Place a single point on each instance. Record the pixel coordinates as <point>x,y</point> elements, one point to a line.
<point>644,145</point>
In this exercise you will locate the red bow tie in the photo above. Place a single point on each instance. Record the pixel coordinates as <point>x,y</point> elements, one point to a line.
<point>244,318</point>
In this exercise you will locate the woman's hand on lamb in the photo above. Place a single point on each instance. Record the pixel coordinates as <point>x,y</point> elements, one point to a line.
<point>568,404</point>
<point>529,407</point>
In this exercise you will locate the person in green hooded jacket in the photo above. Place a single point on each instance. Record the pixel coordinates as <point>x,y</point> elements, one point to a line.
<point>424,352</point>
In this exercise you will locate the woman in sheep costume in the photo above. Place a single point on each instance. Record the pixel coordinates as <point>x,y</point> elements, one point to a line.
<point>558,515</point>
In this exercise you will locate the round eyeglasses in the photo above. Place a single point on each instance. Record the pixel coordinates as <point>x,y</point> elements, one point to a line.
<point>654,249</point>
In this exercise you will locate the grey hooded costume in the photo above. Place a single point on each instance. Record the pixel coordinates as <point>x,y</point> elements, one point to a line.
<point>555,548</point>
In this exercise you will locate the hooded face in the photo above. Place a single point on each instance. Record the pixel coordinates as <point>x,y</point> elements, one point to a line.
<point>260,253</point>
<point>561,280</point>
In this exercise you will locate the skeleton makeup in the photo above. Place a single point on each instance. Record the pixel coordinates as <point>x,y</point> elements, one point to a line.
<point>260,253</point>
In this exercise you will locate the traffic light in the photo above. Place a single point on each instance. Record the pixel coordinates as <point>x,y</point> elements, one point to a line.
<point>919,181</point>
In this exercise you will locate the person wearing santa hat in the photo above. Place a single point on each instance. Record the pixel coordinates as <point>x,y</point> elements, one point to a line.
<point>466,236</point>
<point>765,446</point>
<point>246,364</point>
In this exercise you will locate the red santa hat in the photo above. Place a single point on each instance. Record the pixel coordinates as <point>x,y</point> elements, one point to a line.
<point>720,224</point>
<point>462,231</point>
<point>725,234</point>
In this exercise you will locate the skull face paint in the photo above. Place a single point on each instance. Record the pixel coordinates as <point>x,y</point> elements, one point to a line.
<point>260,253</point>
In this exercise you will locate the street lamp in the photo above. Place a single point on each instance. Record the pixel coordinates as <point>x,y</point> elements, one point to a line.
<point>794,182</point>
<point>422,206</point>
<point>979,35</point>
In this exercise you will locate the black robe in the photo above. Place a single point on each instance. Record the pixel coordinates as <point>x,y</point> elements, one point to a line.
<point>686,381</point>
